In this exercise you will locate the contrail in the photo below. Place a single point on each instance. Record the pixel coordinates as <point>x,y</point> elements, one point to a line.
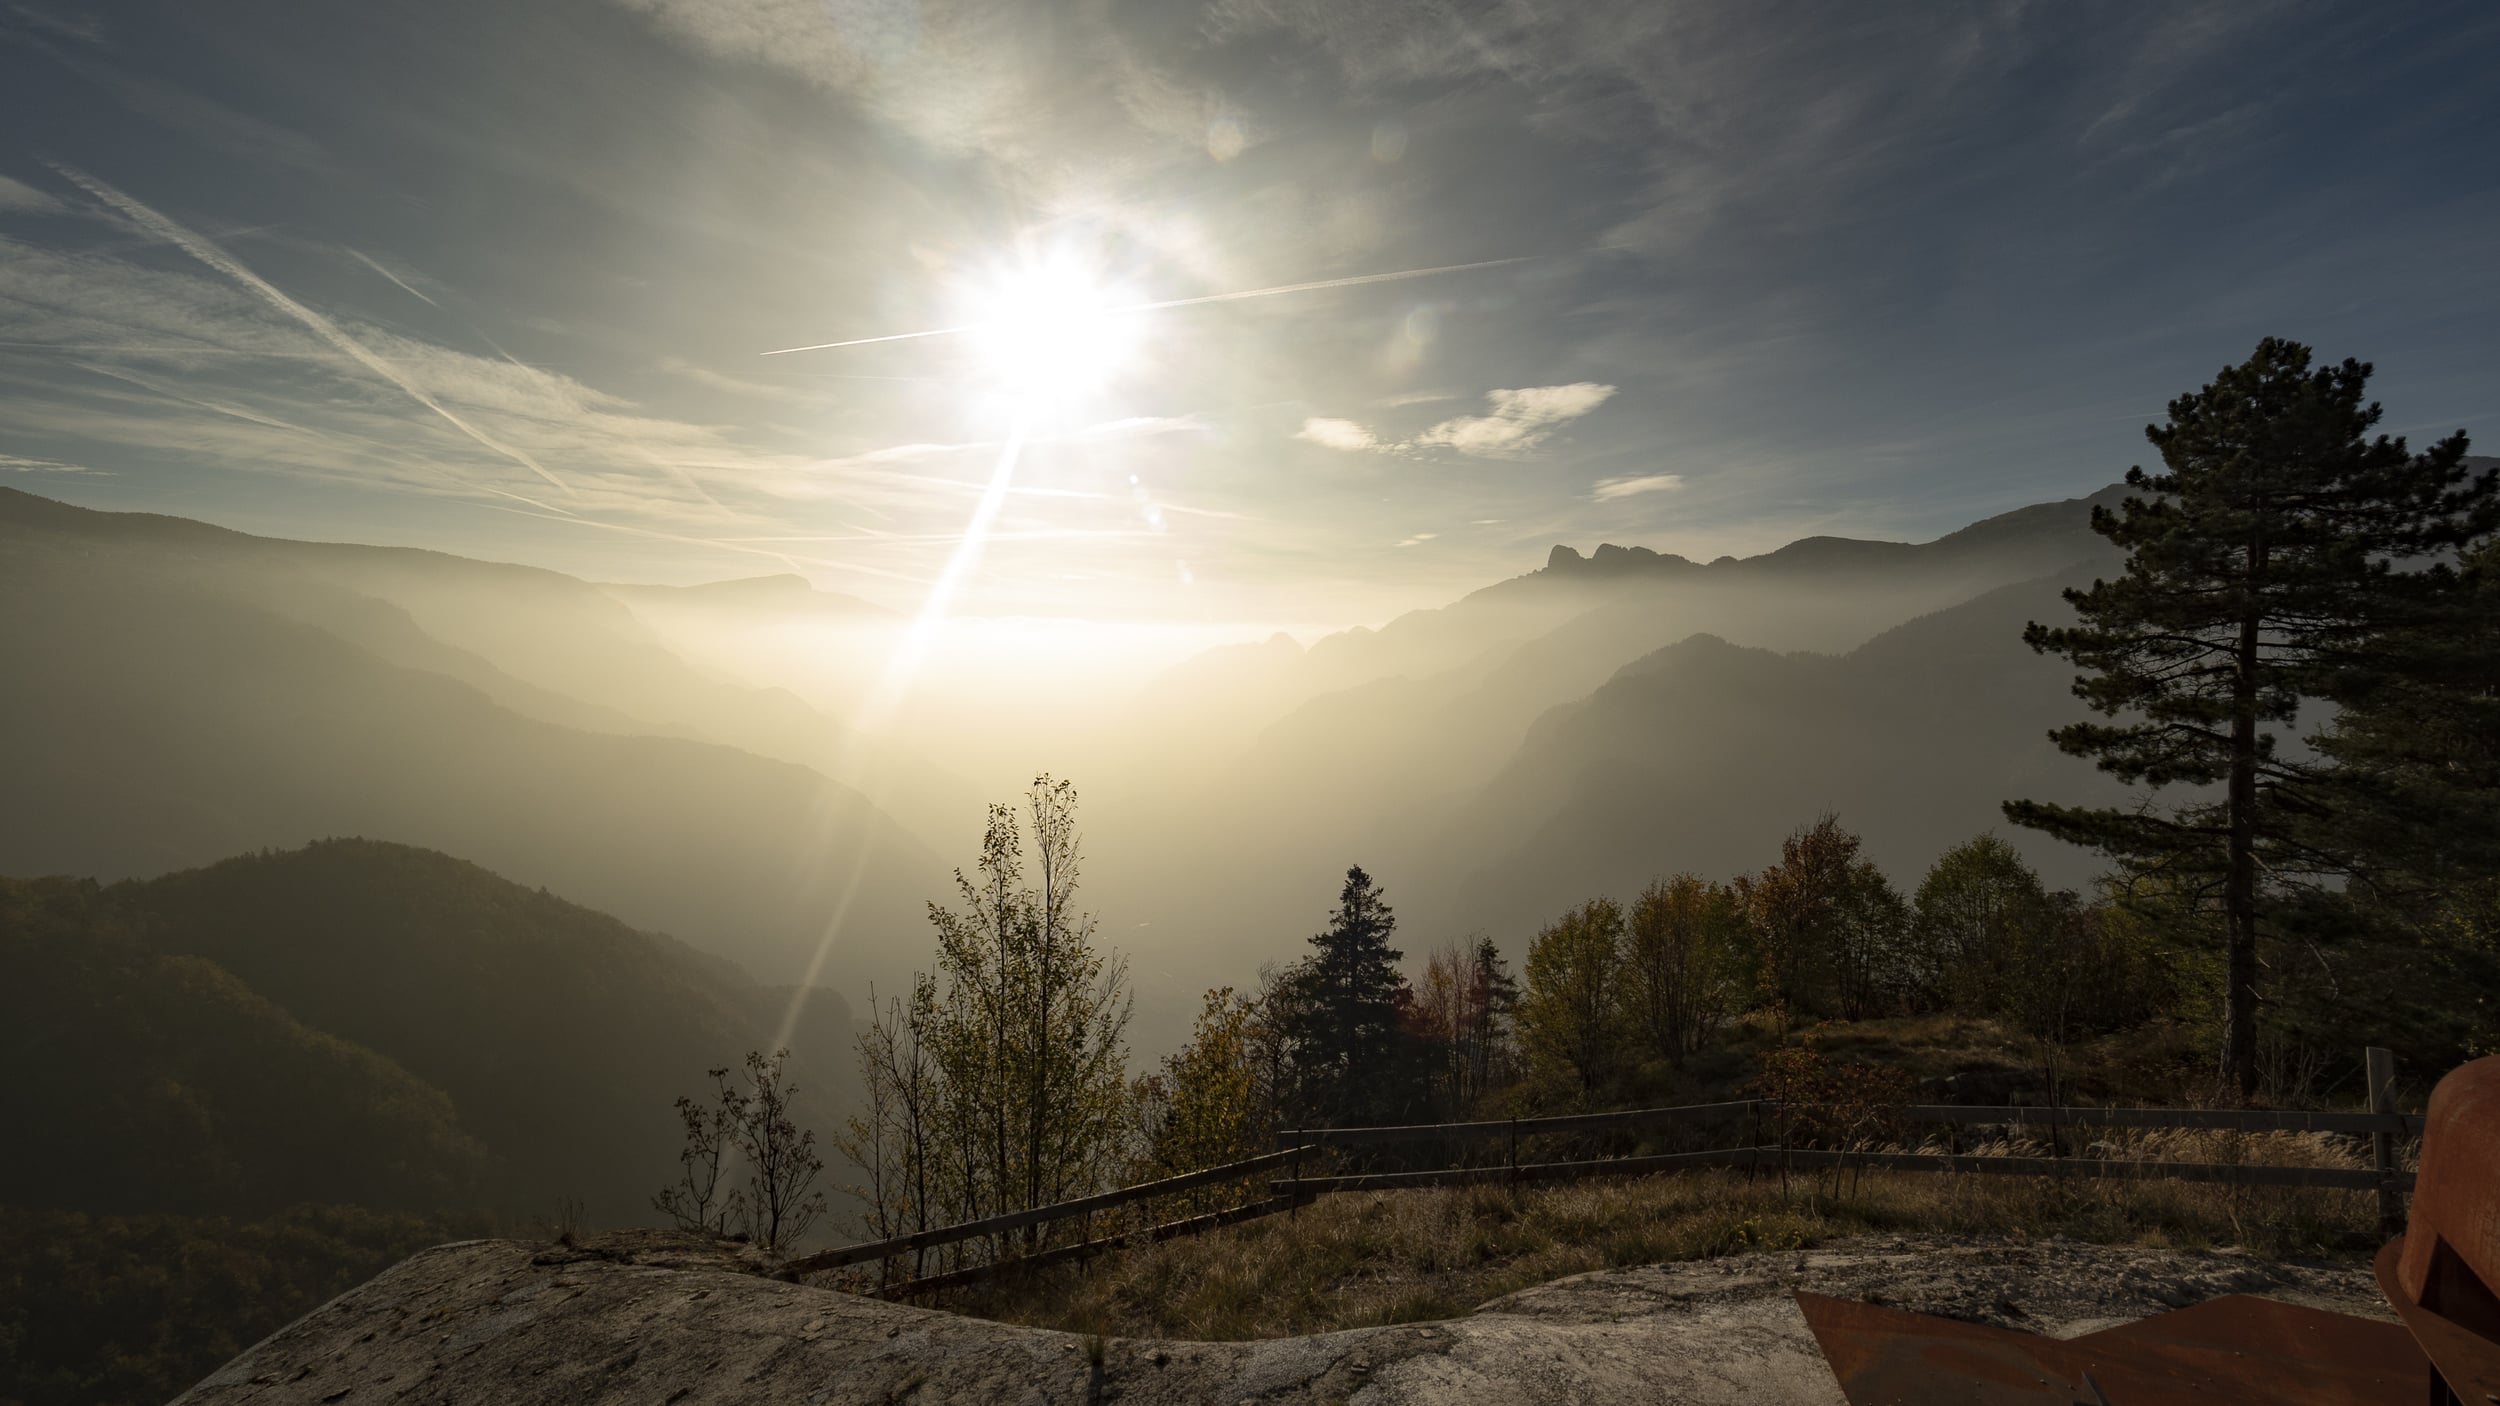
<point>395,278</point>
<point>218,259</point>
<point>1281,288</point>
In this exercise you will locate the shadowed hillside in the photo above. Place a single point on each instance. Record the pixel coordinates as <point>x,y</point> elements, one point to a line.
<point>367,1023</point>
<point>190,711</point>
<point>1701,755</point>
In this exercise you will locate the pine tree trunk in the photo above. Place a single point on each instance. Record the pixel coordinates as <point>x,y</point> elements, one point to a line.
<point>2239,895</point>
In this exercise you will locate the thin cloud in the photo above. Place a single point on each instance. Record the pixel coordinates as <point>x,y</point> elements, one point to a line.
<point>738,385</point>
<point>1609,489</point>
<point>1520,420</point>
<point>1141,427</point>
<point>181,238</point>
<point>17,195</point>
<point>1338,434</point>
<point>404,285</point>
<point>18,464</point>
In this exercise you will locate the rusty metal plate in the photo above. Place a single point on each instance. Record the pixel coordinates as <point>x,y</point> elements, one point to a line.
<point>2443,1273</point>
<point>2233,1349</point>
<point>2467,1361</point>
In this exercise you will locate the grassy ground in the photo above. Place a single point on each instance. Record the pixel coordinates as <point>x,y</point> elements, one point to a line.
<point>1360,1258</point>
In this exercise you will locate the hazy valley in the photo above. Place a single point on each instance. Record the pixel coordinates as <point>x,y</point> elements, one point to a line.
<point>1582,728</point>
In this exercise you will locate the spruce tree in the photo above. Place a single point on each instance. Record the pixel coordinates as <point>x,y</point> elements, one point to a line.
<point>2260,563</point>
<point>1350,1056</point>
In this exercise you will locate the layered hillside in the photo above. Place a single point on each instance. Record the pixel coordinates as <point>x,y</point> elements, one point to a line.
<point>192,693</point>
<point>367,1023</point>
<point>1701,755</point>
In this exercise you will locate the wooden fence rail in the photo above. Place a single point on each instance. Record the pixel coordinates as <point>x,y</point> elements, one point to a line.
<point>2234,1173</point>
<point>2252,1120</point>
<point>1293,1190</point>
<point>2241,1119</point>
<point>1169,1230</point>
<point>1038,1215</point>
<point>1520,1127</point>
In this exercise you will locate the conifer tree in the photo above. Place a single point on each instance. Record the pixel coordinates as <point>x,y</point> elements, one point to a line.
<point>2410,941</point>
<point>2259,562</point>
<point>2414,797</point>
<point>1348,1047</point>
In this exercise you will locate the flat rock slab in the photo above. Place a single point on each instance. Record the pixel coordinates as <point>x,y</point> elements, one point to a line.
<point>659,1320</point>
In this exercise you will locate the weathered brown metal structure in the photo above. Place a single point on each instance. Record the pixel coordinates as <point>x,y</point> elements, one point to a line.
<point>2234,1349</point>
<point>2442,1273</point>
<point>2439,1275</point>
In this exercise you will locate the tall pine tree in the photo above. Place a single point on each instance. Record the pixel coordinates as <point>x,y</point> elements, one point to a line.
<point>2414,796</point>
<point>1350,1052</point>
<point>2260,564</point>
<point>2407,949</point>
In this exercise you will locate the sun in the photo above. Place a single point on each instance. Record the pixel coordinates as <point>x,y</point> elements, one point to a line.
<point>1049,331</point>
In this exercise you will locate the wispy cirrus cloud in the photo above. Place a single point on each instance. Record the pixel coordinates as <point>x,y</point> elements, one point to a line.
<point>17,195</point>
<point>328,331</point>
<point>19,464</point>
<point>1519,421</point>
<point>1609,489</point>
<point>191,363</point>
<point>1516,422</point>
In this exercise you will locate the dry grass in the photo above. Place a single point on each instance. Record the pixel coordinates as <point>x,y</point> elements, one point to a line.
<point>1361,1258</point>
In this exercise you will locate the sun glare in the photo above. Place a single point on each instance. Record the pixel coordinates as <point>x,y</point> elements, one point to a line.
<point>1048,331</point>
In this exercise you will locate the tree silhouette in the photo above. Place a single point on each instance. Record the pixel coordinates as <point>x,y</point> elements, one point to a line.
<point>1349,1052</point>
<point>2259,564</point>
<point>1572,1017</point>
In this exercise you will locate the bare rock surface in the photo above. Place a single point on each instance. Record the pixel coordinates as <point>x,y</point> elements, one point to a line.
<point>650,1318</point>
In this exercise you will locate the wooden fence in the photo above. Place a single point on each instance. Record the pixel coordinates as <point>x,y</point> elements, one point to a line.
<point>2383,1126</point>
<point>1044,1215</point>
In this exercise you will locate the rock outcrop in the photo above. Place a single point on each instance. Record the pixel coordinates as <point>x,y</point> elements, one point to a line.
<point>646,1318</point>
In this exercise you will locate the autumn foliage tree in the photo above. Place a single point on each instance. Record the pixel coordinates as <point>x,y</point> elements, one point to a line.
<point>1826,925</point>
<point>1208,1104</point>
<point>1571,1018</point>
<point>1684,963</point>
<point>1002,1084</point>
<point>1462,1016</point>
<point>1975,919</point>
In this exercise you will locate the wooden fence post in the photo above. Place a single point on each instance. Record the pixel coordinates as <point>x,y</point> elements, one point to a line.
<point>2380,1065</point>
<point>1294,1211</point>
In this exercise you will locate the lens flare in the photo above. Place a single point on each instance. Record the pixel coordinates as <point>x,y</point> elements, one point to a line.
<point>1049,330</point>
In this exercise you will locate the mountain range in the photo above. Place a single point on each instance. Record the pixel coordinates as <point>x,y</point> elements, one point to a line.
<point>182,693</point>
<point>1612,718</point>
<point>684,757</point>
<point>367,1023</point>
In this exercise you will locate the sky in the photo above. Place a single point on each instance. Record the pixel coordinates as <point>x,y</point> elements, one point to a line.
<point>499,279</point>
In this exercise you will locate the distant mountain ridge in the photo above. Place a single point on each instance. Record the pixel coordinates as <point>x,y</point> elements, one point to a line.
<point>371,1023</point>
<point>198,692</point>
<point>1484,758</point>
<point>1580,729</point>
